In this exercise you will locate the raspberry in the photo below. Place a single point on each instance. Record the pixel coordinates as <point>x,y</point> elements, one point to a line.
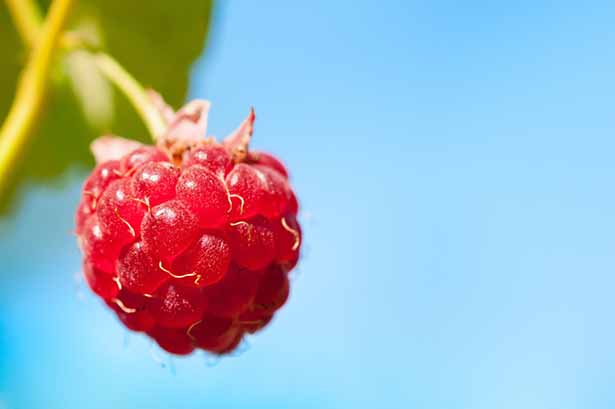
<point>191,241</point>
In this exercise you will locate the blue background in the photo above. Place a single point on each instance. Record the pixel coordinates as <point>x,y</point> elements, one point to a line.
<point>455,166</point>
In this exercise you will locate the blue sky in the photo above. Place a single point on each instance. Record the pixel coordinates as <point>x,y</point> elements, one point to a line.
<point>454,165</point>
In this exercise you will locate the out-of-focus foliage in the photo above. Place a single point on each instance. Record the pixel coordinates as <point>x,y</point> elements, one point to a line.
<point>155,40</point>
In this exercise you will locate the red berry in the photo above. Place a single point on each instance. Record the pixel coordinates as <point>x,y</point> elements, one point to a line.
<point>98,181</point>
<point>100,282</point>
<point>293,205</point>
<point>270,161</point>
<point>130,309</point>
<point>140,156</point>
<point>204,193</point>
<point>205,262</point>
<point>212,157</point>
<point>248,188</point>
<point>174,306</point>
<point>99,247</point>
<point>212,333</point>
<point>168,229</point>
<point>272,294</point>
<point>287,239</point>
<point>81,217</point>
<point>155,182</point>
<point>139,270</point>
<point>234,294</point>
<point>277,194</point>
<point>253,243</point>
<point>173,340</point>
<point>118,211</point>
<point>190,242</point>
<point>253,321</point>
<point>231,341</point>
<point>272,291</point>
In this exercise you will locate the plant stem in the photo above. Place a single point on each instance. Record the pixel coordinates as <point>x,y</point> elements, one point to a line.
<point>28,21</point>
<point>27,18</point>
<point>134,92</point>
<point>31,90</point>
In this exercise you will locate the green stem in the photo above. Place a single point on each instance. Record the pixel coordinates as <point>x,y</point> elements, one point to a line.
<point>31,90</point>
<point>32,86</point>
<point>134,92</point>
<point>27,18</point>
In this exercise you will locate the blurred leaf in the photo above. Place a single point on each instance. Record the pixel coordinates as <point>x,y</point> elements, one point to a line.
<point>156,40</point>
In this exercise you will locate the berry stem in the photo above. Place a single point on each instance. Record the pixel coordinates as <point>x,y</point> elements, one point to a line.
<point>135,93</point>
<point>32,85</point>
<point>27,18</point>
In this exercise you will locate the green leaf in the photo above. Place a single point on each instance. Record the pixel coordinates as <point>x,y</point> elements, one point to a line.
<point>155,40</point>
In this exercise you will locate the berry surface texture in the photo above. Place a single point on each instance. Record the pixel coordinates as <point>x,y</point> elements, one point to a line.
<point>190,241</point>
